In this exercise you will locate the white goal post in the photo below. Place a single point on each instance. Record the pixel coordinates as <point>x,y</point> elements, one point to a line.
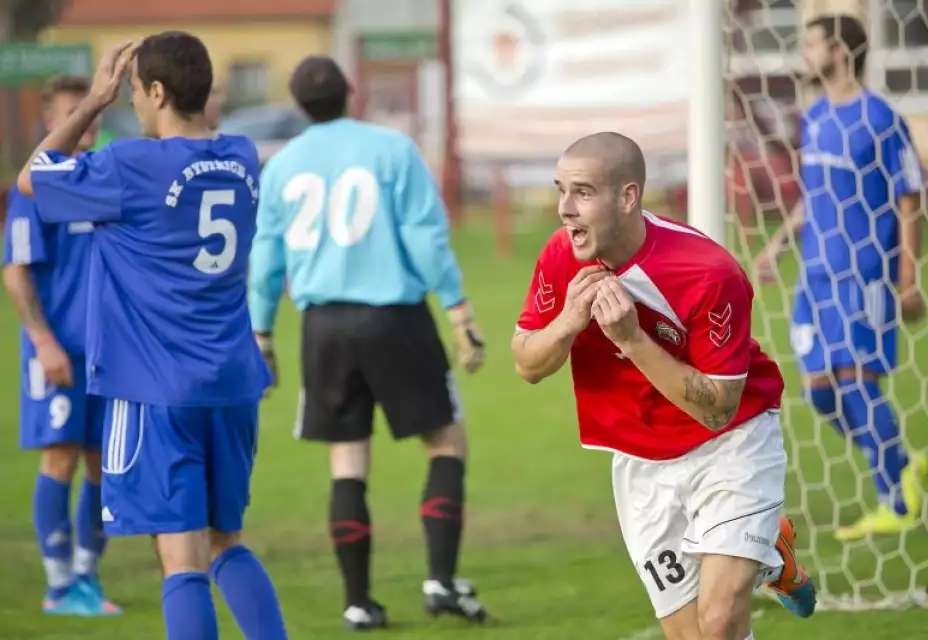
<point>706,131</point>
<point>750,49</point>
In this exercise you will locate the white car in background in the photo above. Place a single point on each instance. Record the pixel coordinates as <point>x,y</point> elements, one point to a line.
<point>269,126</point>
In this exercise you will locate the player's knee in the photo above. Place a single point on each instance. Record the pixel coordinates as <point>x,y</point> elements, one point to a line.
<point>727,616</point>
<point>59,462</point>
<point>221,542</point>
<point>724,604</point>
<point>350,460</point>
<point>682,624</point>
<point>718,623</point>
<point>187,552</point>
<point>93,466</point>
<point>449,441</point>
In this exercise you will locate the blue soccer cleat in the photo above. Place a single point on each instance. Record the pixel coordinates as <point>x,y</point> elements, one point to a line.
<point>74,602</point>
<point>96,600</point>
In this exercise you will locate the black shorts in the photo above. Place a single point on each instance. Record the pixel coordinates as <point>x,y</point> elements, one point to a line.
<point>355,356</point>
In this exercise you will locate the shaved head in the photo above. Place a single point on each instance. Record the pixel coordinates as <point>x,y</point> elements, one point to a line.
<point>601,181</point>
<point>622,159</point>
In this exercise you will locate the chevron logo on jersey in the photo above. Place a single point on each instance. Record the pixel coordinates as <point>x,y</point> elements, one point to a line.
<point>544,296</point>
<point>722,321</point>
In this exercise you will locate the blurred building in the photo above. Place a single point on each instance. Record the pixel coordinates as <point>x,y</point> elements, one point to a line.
<point>766,58</point>
<point>390,50</point>
<point>255,44</point>
<point>767,99</point>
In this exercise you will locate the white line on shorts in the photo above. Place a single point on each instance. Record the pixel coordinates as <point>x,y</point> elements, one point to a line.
<point>652,633</point>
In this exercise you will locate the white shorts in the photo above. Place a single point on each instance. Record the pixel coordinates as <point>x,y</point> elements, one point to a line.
<point>724,498</point>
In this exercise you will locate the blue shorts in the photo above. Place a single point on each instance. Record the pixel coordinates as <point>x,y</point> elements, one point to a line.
<point>845,324</point>
<point>50,415</point>
<point>171,470</point>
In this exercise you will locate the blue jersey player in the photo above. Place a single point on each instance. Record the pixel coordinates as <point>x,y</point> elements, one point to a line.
<point>46,274</point>
<point>351,218</point>
<point>860,244</point>
<point>170,347</point>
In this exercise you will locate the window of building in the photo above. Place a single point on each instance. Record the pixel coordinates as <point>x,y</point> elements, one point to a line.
<point>765,28</point>
<point>898,64</point>
<point>248,83</point>
<point>764,37</point>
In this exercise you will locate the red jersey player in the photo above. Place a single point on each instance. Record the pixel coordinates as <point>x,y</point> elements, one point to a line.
<point>656,320</point>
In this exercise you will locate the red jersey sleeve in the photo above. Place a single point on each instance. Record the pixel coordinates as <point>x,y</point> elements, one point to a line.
<point>545,298</point>
<point>720,325</point>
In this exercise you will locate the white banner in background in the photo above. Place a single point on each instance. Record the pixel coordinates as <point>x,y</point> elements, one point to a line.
<point>532,76</point>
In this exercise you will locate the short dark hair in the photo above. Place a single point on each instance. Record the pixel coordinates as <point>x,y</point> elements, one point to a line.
<point>320,89</point>
<point>180,62</point>
<point>64,84</point>
<point>847,30</point>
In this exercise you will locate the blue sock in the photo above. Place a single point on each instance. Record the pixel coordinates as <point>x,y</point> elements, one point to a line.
<point>189,613</point>
<point>52,518</point>
<point>90,539</point>
<point>825,401</point>
<point>249,593</point>
<point>868,418</point>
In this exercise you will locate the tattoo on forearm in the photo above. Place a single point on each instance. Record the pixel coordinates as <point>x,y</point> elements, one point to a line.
<point>717,403</point>
<point>700,391</point>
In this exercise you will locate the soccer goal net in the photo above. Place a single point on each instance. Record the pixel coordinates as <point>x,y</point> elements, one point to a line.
<point>831,483</point>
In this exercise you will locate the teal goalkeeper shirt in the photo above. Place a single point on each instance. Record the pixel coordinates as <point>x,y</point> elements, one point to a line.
<point>349,212</point>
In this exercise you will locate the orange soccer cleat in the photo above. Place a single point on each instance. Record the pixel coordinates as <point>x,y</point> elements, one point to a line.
<point>794,588</point>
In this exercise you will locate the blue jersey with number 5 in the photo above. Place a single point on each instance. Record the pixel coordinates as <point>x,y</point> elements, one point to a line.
<point>350,213</point>
<point>168,318</point>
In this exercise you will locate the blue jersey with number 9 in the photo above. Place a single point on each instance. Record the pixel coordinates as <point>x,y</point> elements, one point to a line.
<point>174,219</point>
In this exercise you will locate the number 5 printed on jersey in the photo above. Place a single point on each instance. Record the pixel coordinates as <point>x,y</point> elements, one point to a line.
<point>349,206</point>
<point>209,225</point>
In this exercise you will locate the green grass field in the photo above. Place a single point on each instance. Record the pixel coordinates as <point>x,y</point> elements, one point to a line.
<point>542,541</point>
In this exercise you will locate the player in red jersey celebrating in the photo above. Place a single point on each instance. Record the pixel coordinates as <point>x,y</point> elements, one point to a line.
<point>656,319</point>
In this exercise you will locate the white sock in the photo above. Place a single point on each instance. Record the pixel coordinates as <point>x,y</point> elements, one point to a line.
<point>750,636</point>
<point>85,562</point>
<point>58,572</point>
<point>771,575</point>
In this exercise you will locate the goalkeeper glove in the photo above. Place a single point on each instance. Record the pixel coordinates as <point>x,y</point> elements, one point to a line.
<point>266,345</point>
<point>468,342</point>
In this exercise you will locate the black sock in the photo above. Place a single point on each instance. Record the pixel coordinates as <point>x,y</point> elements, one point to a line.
<point>350,528</point>
<point>442,513</point>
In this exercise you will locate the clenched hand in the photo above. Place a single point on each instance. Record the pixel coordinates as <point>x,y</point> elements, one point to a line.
<point>581,293</point>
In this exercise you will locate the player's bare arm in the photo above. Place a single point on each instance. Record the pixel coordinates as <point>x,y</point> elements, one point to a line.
<point>265,341</point>
<point>51,356</point>
<point>779,241</point>
<point>540,354</point>
<point>104,90</point>
<point>712,403</point>
<point>911,237</point>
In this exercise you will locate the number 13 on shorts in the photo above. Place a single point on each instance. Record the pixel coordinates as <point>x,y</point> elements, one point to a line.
<point>666,571</point>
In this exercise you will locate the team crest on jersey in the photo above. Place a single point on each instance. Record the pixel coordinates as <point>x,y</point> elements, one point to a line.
<point>666,332</point>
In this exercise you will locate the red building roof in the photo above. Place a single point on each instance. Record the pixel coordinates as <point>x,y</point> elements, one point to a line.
<point>91,12</point>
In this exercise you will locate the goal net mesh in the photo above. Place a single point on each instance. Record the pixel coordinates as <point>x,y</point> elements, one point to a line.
<point>830,482</point>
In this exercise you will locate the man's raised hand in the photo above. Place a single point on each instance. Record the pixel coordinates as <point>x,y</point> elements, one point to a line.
<point>110,74</point>
<point>615,313</point>
<point>581,292</point>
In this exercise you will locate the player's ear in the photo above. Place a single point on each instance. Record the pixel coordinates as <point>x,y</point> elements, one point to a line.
<point>631,197</point>
<point>156,92</point>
